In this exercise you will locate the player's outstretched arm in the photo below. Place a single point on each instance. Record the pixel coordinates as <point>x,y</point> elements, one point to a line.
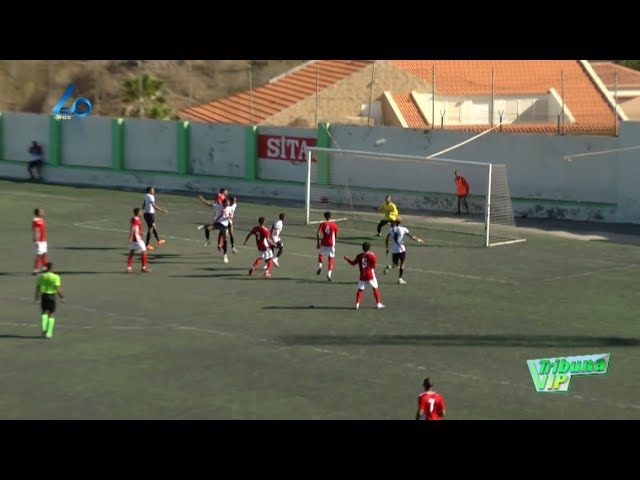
<point>247,239</point>
<point>349,261</point>
<point>417,239</point>
<point>208,203</point>
<point>160,209</point>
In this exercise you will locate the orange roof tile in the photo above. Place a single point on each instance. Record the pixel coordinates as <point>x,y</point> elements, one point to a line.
<point>627,77</point>
<point>592,112</point>
<point>281,93</point>
<point>410,111</point>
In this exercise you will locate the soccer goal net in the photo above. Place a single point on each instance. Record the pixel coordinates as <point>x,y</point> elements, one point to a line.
<point>353,186</point>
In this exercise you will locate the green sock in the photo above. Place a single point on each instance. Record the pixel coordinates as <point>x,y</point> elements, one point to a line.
<point>45,321</point>
<point>52,322</point>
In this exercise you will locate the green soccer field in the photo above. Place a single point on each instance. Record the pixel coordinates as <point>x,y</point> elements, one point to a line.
<point>200,339</point>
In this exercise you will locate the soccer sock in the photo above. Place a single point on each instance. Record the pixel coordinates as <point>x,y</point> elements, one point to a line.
<point>330,262</point>
<point>380,225</point>
<point>36,263</point>
<point>224,246</point>
<point>358,296</point>
<point>144,259</point>
<point>148,237</point>
<point>44,260</point>
<point>279,251</point>
<point>376,294</point>
<point>319,261</point>
<point>45,321</point>
<point>155,234</point>
<point>130,260</point>
<point>52,322</point>
<point>206,231</point>
<point>231,239</point>
<point>269,263</point>
<point>257,262</point>
<point>219,239</point>
<point>401,272</point>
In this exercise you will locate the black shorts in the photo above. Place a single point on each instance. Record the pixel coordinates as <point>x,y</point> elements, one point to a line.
<point>221,228</point>
<point>35,163</point>
<point>48,302</point>
<point>150,218</point>
<point>396,257</point>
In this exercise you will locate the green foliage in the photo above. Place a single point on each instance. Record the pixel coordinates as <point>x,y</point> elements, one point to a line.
<point>143,98</point>
<point>635,64</point>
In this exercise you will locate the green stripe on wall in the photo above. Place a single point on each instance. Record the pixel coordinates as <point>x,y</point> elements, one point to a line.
<point>182,131</point>
<point>117,144</point>
<point>251,153</point>
<point>55,132</point>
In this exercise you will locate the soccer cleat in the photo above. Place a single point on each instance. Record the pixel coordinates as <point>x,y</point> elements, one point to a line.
<point>357,306</point>
<point>206,244</point>
<point>319,271</point>
<point>145,270</point>
<point>234,249</point>
<point>200,227</point>
<point>267,274</point>
<point>226,258</point>
<point>386,269</point>
<point>129,270</point>
<point>275,262</point>
<point>35,272</point>
<point>219,248</point>
<point>378,234</point>
<point>329,276</point>
<point>401,281</point>
<point>150,247</point>
<point>160,242</point>
<point>251,270</point>
<point>380,306</point>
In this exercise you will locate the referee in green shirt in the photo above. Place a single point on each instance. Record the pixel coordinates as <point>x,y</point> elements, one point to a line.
<point>48,285</point>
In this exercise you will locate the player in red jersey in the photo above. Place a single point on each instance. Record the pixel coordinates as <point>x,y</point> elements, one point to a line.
<point>327,244</point>
<point>136,244</point>
<point>367,263</point>
<point>218,205</point>
<point>430,403</point>
<point>265,246</point>
<point>39,241</point>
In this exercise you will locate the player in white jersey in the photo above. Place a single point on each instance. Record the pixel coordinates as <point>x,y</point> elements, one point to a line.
<point>149,208</point>
<point>276,236</point>
<point>221,222</point>
<point>398,249</point>
<point>218,205</point>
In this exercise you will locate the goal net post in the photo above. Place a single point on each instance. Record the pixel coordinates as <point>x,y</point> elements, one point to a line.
<point>353,185</point>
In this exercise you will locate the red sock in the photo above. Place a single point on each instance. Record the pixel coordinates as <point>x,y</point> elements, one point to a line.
<point>36,263</point>
<point>220,239</point>
<point>330,261</point>
<point>319,259</point>
<point>376,294</point>
<point>358,296</point>
<point>144,259</point>
<point>44,260</point>
<point>257,262</point>
<point>129,261</point>
<point>269,262</point>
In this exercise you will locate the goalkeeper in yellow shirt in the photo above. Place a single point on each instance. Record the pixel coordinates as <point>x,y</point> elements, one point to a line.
<point>390,213</point>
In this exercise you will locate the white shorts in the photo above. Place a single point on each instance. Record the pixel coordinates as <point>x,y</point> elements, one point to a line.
<point>40,248</point>
<point>137,247</point>
<point>373,283</point>
<point>328,251</point>
<point>267,254</point>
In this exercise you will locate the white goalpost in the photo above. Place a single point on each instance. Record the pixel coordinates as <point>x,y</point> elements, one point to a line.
<point>352,184</point>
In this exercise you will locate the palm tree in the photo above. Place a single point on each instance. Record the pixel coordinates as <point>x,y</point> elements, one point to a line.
<point>143,97</point>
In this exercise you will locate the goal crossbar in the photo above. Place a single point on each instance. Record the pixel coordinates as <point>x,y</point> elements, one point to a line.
<point>310,150</point>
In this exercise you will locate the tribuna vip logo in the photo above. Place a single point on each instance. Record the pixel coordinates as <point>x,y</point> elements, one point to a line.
<point>554,374</point>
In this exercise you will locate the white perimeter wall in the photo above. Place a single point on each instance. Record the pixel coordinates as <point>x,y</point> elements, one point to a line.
<point>85,143</point>
<point>217,149</point>
<point>150,145</point>
<point>19,130</point>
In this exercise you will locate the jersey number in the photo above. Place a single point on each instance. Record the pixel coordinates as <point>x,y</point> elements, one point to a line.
<point>432,402</point>
<point>364,263</point>
<point>327,230</point>
<point>258,235</point>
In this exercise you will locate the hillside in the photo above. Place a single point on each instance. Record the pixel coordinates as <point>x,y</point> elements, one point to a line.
<point>36,85</point>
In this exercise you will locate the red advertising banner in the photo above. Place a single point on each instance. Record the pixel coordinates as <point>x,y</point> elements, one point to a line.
<point>278,147</point>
